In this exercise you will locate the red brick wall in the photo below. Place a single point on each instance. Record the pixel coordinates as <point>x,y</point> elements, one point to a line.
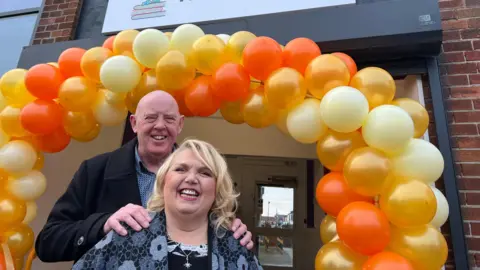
<point>58,21</point>
<point>460,74</point>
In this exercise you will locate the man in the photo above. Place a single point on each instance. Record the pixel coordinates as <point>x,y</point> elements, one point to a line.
<point>113,188</point>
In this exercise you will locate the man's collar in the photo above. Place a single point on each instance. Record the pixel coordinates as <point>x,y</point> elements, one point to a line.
<point>138,161</point>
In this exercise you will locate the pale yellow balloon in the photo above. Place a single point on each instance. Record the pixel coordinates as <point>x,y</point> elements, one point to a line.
<point>10,122</point>
<point>27,187</point>
<point>208,54</point>
<point>388,128</point>
<point>420,160</point>
<point>236,44</point>
<point>174,71</point>
<point>31,212</point>
<point>328,229</point>
<point>107,114</point>
<point>120,74</point>
<point>184,36</point>
<point>441,216</point>
<point>417,112</point>
<point>336,256</point>
<point>149,46</point>
<point>17,157</point>
<point>224,37</point>
<point>305,123</point>
<point>344,109</point>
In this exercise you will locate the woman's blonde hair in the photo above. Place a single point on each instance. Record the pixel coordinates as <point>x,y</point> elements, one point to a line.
<point>225,204</point>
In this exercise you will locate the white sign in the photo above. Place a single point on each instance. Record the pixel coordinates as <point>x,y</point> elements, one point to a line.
<point>140,14</point>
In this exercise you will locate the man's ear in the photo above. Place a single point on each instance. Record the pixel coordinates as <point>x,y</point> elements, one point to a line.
<point>180,123</point>
<point>133,122</point>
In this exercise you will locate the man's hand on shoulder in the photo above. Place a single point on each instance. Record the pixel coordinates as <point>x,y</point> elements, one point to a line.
<point>133,215</point>
<point>239,229</point>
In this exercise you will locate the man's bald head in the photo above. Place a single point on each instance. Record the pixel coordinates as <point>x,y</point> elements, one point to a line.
<point>157,98</point>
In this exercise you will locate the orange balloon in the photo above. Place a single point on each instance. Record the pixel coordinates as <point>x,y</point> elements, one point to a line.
<point>179,96</point>
<point>108,43</point>
<point>231,82</point>
<point>69,62</point>
<point>261,57</point>
<point>41,117</point>
<point>199,97</point>
<point>53,142</point>
<point>364,228</point>
<point>333,194</point>
<point>387,261</point>
<point>299,52</point>
<point>43,81</point>
<point>351,65</point>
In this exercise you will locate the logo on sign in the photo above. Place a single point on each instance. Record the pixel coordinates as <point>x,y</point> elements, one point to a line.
<point>149,9</point>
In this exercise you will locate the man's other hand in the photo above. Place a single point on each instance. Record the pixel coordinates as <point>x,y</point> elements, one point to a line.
<point>133,215</point>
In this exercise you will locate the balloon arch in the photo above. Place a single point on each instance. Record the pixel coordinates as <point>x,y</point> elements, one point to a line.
<point>381,207</point>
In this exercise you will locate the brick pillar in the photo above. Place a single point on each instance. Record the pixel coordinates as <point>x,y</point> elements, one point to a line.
<point>459,67</point>
<point>58,21</point>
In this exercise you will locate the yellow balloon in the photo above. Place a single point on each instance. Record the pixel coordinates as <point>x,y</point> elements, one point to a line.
<point>344,109</point>
<point>257,112</point>
<point>107,114</point>
<point>184,36</point>
<point>120,74</point>
<point>281,122</point>
<point>366,170</point>
<point>17,157</point>
<point>169,35</point>
<point>31,212</point>
<point>149,46</point>
<point>334,148</point>
<point>324,73</point>
<point>28,186</point>
<point>89,136</point>
<point>19,240</point>
<point>408,202</point>
<point>424,246</point>
<point>208,54</point>
<point>80,125</point>
<point>123,42</point>
<point>10,122</point>
<point>174,71</point>
<point>147,84</point>
<point>13,88</point>
<point>328,229</point>
<point>55,64</point>
<point>77,94</point>
<point>305,123</point>
<point>3,102</point>
<point>224,37</point>
<point>236,44</point>
<point>376,84</point>
<point>388,128</point>
<point>285,88</point>
<point>12,211</point>
<point>417,112</point>
<point>39,162</point>
<point>114,98</point>
<point>336,256</point>
<point>419,160</point>
<point>232,112</point>
<point>131,103</point>
<point>92,61</point>
<point>441,216</point>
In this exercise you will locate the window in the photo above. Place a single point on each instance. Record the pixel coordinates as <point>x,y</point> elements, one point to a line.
<point>15,6</point>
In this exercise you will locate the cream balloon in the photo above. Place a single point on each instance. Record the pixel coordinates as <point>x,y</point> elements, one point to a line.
<point>149,46</point>
<point>344,109</point>
<point>184,36</point>
<point>27,187</point>
<point>224,37</point>
<point>120,74</point>
<point>17,157</point>
<point>388,128</point>
<point>31,212</point>
<point>441,216</point>
<point>107,114</point>
<point>419,160</point>
<point>304,122</point>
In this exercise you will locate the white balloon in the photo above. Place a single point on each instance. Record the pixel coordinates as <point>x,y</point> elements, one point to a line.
<point>344,109</point>
<point>441,216</point>
<point>224,37</point>
<point>120,73</point>
<point>149,46</point>
<point>304,122</point>
<point>184,36</point>
<point>17,157</point>
<point>27,187</point>
<point>419,160</point>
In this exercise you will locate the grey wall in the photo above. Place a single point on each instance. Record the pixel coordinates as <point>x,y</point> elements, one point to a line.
<point>91,19</point>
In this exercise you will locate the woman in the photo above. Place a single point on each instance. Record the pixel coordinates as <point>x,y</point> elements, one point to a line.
<point>192,206</point>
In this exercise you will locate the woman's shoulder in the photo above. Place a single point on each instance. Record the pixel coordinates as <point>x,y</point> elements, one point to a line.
<point>231,252</point>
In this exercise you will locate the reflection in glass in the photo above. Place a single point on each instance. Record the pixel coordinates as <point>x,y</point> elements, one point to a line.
<point>275,251</point>
<point>275,207</point>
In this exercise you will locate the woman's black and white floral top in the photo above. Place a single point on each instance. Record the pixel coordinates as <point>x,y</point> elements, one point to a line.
<point>149,249</point>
